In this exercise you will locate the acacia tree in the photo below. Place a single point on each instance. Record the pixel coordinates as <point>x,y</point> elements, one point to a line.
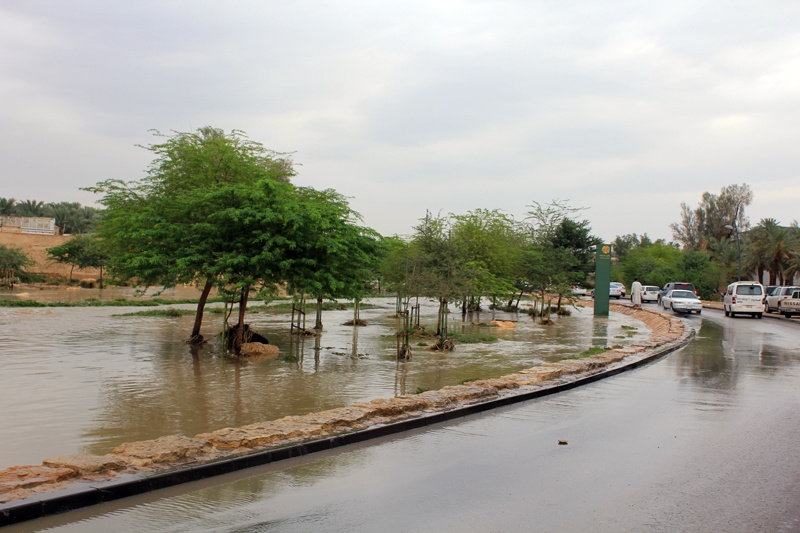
<point>13,263</point>
<point>179,224</point>
<point>491,249</point>
<point>561,248</point>
<point>82,252</point>
<point>330,256</point>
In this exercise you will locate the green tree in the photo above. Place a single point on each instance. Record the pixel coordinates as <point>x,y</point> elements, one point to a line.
<point>773,249</point>
<point>707,222</point>
<point>623,244</point>
<point>72,218</point>
<point>490,246</point>
<point>7,206</point>
<point>13,264</point>
<point>208,211</point>
<point>30,208</point>
<point>81,252</point>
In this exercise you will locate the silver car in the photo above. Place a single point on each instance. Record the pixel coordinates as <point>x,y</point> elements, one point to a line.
<point>681,301</point>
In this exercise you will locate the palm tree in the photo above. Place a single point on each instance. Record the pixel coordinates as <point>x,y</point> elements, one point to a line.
<point>30,208</point>
<point>772,244</point>
<point>7,206</point>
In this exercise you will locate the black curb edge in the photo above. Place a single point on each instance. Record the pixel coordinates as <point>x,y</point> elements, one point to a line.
<point>84,494</point>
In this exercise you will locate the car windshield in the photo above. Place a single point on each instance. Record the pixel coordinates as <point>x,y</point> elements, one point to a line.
<point>683,294</point>
<point>749,290</point>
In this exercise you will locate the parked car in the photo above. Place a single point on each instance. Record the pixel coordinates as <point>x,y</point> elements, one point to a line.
<point>650,293</point>
<point>744,297</point>
<point>615,290</point>
<point>682,301</point>
<point>769,288</point>
<point>778,294</point>
<point>673,285</point>
<point>790,306</point>
<point>577,290</point>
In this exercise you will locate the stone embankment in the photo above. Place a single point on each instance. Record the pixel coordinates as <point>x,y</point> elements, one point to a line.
<point>172,452</point>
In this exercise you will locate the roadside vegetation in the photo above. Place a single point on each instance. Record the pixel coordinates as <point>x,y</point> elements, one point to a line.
<point>219,211</point>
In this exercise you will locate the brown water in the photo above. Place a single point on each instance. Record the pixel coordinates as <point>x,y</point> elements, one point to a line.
<point>83,380</point>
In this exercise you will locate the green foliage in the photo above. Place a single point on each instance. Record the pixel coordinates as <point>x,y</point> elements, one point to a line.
<point>7,206</point>
<point>81,252</point>
<point>472,337</point>
<point>218,209</point>
<point>594,350</point>
<point>699,228</point>
<point>171,312</point>
<point>13,261</point>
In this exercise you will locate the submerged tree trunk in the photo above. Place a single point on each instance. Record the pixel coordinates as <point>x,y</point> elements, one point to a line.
<point>239,339</point>
<point>318,322</point>
<point>201,305</point>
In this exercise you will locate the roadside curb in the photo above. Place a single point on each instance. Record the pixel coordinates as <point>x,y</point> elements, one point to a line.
<point>86,493</point>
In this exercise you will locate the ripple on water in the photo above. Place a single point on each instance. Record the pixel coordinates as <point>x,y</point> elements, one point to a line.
<point>102,379</point>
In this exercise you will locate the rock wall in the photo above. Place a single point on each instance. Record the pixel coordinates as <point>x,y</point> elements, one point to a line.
<point>168,452</point>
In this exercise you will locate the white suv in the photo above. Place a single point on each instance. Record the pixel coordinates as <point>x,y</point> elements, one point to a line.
<point>744,297</point>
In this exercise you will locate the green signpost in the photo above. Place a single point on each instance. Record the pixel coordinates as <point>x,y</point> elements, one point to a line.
<point>602,280</point>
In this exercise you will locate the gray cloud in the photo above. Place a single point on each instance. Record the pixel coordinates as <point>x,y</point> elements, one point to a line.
<point>625,107</point>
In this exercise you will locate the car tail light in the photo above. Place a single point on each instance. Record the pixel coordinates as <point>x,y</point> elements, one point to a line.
<point>733,299</point>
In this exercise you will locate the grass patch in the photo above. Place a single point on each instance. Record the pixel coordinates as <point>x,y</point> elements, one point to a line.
<point>472,337</point>
<point>594,350</point>
<point>633,328</point>
<point>87,303</point>
<point>420,390</point>
<point>161,312</point>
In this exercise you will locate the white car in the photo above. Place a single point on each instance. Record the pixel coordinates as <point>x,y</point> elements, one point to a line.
<point>650,293</point>
<point>615,290</point>
<point>744,297</point>
<point>577,290</point>
<point>778,294</point>
<point>681,301</point>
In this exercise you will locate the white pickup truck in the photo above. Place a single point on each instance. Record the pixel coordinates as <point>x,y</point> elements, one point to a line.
<point>791,305</point>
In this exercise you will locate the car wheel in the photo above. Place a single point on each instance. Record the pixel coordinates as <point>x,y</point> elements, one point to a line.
<point>672,306</point>
<point>699,311</point>
<point>759,315</point>
<point>727,313</point>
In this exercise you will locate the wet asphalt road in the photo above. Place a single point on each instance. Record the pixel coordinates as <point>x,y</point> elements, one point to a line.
<point>706,439</point>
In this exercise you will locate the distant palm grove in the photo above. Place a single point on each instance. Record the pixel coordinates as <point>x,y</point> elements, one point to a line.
<point>71,217</point>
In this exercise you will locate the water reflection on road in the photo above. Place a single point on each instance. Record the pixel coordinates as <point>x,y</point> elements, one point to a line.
<point>78,380</point>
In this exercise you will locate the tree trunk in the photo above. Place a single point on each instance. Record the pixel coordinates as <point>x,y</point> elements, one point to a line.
<point>318,322</point>
<point>100,281</point>
<point>201,305</point>
<point>71,268</point>
<point>237,346</point>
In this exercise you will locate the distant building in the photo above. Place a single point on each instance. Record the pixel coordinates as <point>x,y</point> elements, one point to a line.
<point>34,225</point>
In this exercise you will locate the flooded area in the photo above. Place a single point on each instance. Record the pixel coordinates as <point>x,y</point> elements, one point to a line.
<point>85,379</point>
<point>704,439</point>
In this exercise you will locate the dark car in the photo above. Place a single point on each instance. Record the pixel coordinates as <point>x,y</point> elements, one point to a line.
<point>676,285</point>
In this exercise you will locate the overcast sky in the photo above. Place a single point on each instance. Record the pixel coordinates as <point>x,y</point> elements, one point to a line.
<point>627,108</point>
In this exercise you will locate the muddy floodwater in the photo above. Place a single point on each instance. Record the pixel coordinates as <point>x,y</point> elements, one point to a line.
<point>85,379</point>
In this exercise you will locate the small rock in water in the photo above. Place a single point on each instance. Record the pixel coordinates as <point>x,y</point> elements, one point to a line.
<point>562,442</point>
